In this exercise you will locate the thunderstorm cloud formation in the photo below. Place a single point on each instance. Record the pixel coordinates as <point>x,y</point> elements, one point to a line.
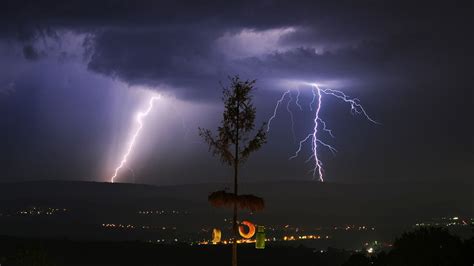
<point>74,73</point>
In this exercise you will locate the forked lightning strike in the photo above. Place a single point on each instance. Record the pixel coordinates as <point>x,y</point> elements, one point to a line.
<point>276,108</point>
<point>356,108</point>
<point>318,164</point>
<point>131,144</point>
<point>298,100</point>
<point>291,116</point>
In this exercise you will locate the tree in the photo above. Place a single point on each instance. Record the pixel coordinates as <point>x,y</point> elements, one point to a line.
<point>235,139</point>
<point>357,259</point>
<point>425,246</point>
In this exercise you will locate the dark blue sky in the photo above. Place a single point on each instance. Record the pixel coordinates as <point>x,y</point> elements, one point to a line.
<point>73,74</point>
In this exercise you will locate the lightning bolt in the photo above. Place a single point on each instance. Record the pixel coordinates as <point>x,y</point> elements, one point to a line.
<point>312,101</point>
<point>320,124</point>
<point>356,107</point>
<point>329,131</point>
<point>139,119</point>
<point>298,100</point>
<point>314,144</point>
<point>276,109</point>
<point>291,116</point>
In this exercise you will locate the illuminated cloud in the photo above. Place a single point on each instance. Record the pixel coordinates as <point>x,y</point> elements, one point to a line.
<point>252,42</point>
<point>69,72</point>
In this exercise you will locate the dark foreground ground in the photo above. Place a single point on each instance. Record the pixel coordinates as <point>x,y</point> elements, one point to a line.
<point>424,246</point>
<point>16,251</point>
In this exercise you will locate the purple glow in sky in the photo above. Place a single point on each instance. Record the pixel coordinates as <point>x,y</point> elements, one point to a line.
<point>71,82</point>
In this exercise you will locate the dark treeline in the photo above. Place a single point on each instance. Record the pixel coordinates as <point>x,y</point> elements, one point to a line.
<point>425,246</point>
<point>420,247</point>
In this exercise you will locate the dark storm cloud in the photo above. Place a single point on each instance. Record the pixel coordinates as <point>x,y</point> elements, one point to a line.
<point>409,63</point>
<point>174,42</point>
<point>30,52</point>
<point>176,56</point>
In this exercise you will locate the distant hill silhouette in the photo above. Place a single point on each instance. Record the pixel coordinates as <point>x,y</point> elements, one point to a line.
<point>417,200</point>
<point>297,203</point>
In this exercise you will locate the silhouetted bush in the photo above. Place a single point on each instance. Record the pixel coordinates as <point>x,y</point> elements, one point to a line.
<point>357,259</point>
<point>424,246</point>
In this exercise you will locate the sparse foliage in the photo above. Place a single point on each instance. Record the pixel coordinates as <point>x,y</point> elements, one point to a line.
<point>235,139</point>
<point>237,124</point>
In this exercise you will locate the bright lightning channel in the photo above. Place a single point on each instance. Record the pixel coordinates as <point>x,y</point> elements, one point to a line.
<point>356,108</point>
<point>276,108</point>
<point>291,116</point>
<point>139,119</point>
<point>298,100</point>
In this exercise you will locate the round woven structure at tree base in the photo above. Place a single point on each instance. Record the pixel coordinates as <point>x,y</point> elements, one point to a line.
<point>244,202</point>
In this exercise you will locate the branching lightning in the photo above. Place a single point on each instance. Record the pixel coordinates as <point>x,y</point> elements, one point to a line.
<point>356,107</point>
<point>312,101</point>
<point>329,131</point>
<point>298,100</point>
<point>276,109</point>
<point>139,119</point>
<point>291,116</point>
<point>318,164</point>
<point>320,124</point>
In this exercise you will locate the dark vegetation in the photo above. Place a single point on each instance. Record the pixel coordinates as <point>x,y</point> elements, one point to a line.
<point>235,140</point>
<point>14,251</point>
<point>425,246</point>
<point>431,246</point>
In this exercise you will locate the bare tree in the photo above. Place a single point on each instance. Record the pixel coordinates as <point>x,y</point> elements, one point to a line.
<point>236,139</point>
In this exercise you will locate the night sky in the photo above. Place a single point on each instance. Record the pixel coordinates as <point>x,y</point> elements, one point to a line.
<point>73,74</point>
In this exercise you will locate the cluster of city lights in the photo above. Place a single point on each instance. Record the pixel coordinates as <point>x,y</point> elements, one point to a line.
<point>175,240</point>
<point>347,227</point>
<point>355,227</point>
<point>303,237</point>
<point>41,211</point>
<point>161,212</point>
<point>447,222</point>
<point>272,239</point>
<point>132,226</point>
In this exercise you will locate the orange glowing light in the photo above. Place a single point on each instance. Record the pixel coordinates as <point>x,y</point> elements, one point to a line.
<point>251,231</point>
<point>216,235</point>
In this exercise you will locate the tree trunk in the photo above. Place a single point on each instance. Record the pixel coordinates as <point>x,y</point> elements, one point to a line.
<point>236,170</point>
<point>234,221</point>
